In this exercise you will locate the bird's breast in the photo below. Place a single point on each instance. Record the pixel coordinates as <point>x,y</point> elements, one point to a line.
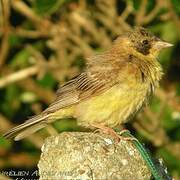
<point>114,106</point>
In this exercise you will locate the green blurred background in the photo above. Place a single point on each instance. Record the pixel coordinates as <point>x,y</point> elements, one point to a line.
<point>45,42</point>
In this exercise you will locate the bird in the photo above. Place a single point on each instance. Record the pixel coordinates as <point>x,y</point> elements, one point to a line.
<point>114,86</point>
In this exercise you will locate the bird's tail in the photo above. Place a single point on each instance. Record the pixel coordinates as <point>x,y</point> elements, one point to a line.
<point>28,127</point>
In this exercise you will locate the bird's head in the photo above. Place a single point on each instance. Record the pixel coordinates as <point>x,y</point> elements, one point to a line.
<point>142,41</point>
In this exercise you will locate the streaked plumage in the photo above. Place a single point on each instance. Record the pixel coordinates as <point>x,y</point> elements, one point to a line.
<point>114,86</point>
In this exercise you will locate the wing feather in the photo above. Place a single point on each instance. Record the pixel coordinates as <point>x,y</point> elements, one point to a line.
<point>99,76</point>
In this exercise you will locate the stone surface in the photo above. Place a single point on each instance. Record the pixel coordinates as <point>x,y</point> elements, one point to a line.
<point>82,155</point>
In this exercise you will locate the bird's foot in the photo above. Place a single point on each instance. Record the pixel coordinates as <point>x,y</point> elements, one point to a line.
<point>117,137</point>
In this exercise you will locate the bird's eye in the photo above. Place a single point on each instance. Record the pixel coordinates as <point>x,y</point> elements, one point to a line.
<point>145,42</point>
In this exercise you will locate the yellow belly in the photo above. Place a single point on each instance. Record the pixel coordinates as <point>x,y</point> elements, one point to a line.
<point>111,108</point>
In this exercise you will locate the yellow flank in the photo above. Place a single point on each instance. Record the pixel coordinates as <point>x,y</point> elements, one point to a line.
<point>61,114</point>
<point>112,107</point>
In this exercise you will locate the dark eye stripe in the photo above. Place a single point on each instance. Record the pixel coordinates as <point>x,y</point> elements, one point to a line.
<point>145,42</point>
<point>143,47</point>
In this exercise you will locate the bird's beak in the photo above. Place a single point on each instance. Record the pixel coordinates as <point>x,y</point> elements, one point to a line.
<point>162,44</point>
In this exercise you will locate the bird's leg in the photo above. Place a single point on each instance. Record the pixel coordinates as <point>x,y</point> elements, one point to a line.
<point>113,133</point>
<point>106,130</point>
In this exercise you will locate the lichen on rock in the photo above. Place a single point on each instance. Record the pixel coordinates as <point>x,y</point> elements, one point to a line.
<point>86,155</point>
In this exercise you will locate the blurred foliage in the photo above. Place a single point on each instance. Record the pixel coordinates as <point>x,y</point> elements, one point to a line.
<point>47,7</point>
<point>45,42</point>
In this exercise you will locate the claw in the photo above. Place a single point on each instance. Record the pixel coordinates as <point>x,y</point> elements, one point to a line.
<point>110,131</point>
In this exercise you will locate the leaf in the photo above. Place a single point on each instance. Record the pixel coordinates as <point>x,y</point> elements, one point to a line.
<point>11,101</point>
<point>150,5</point>
<point>169,32</point>
<point>28,97</point>
<point>5,143</point>
<point>178,89</point>
<point>47,81</point>
<point>168,121</point>
<point>171,160</point>
<point>47,7</point>
<point>155,105</point>
<point>136,4</point>
<point>20,60</point>
<point>176,5</point>
<point>14,40</point>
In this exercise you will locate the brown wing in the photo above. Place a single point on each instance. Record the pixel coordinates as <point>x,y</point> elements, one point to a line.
<point>100,75</point>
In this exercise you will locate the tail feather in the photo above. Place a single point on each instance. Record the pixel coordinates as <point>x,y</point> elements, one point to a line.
<point>30,126</point>
<point>30,130</point>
